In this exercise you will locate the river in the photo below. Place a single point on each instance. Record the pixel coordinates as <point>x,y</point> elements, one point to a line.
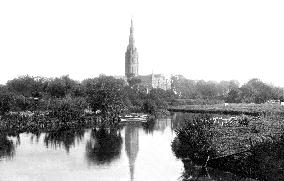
<point>134,152</point>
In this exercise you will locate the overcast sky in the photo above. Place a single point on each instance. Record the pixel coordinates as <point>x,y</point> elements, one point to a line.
<point>204,39</point>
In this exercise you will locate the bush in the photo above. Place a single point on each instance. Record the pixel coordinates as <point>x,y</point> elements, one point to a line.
<point>68,109</point>
<point>106,96</point>
<point>194,140</point>
<point>21,103</point>
<point>6,100</point>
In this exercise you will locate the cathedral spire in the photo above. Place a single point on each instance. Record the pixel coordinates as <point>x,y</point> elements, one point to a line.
<point>131,56</point>
<point>131,36</point>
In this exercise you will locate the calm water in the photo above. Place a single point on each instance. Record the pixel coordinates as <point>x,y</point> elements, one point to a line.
<point>136,152</point>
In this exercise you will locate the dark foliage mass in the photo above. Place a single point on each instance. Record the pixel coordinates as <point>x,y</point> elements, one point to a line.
<point>40,104</point>
<point>104,146</point>
<point>65,138</point>
<point>6,100</point>
<point>59,102</point>
<point>254,91</point>
<point>194,139</point>
<point>106,96</point>
<point>7,147</point>
<point>247,146</point>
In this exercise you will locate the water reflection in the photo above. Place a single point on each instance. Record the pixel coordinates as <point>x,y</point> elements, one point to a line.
<point>7,147</point>
<point>156,125</point>
<point>149,126</point>
<point>198,173</point>
<point>104,146</point>
<point>131,146</point>
<point>65,138</point>
<point>35,137</point>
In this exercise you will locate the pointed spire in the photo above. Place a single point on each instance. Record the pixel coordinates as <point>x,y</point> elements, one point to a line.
<point>131,36</point>
<point>131,28</point>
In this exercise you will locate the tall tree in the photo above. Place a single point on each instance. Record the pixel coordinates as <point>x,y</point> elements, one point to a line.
<point>106,96</point>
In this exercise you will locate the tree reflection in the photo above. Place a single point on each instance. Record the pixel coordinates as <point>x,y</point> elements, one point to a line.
<point>199,173</point>
<point>66,138</point>
<point>193,172</point>
<point>7,147</point>
<point>156,124</point>
<point>149,126</point>
<point>104,146</point>
<point>35,137</point>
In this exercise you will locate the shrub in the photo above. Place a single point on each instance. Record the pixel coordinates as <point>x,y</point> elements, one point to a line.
<point>21,103</point>
<point>106,96</point>
<point>67,110</point>
<point>6,100</point>
<point>194,140</point>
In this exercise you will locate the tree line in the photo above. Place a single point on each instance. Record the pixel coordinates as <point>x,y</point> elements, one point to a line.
<point>253,91</point>
<point>107,96</point>
<point>113,96</point>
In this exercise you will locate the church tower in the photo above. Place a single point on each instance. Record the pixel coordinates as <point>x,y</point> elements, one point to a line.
<point>131,56</point>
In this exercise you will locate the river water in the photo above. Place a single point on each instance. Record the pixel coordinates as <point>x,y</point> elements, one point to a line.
<point>135,152</point>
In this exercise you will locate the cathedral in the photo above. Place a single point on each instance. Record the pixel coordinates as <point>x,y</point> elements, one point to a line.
<point>132,67</point>
<point>131,56</point>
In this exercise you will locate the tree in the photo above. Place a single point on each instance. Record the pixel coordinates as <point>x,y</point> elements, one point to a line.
<point>6,100</point>
<point>233,96</point>
<point>28,86</point>
<point>256,91</point>
<point>106,96</point>
<point>207,90</point>
<point>133,82</point>
<point>60,87</point>
<point>182,87</point>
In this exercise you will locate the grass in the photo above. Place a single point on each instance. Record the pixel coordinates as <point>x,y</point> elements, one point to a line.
<point>248,109</point>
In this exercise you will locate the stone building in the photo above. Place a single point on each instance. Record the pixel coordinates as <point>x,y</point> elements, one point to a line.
<point>132,66</point>
<point>131,56</point>
<point>155,81</point>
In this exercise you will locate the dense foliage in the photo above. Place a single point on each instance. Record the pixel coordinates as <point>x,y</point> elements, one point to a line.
<point>108,97</point>
<point>254,91</point>
<point>41,103</point>
<point>194,139</point>
<point>6,100</point>
<point>245,145</point>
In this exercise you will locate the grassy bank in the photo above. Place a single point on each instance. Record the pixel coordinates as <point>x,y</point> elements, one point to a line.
<point>248,146</point>
<point>248,109</point>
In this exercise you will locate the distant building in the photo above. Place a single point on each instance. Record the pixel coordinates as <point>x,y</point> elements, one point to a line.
<point>132,66</point>
<point>155,81</point>
<point>131,56</point>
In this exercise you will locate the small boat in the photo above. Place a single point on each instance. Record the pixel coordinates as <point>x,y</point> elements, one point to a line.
<point>134,117</point>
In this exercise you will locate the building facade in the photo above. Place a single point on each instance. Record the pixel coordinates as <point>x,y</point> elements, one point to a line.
<point>155,81</point>
<point>132,66</point>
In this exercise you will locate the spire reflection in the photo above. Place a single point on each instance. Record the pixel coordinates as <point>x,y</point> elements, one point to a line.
<point>131,146</point>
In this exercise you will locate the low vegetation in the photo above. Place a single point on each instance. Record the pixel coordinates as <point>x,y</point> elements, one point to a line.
<point>245,145</point>
<point>33,103</point>
<point>242,108</point>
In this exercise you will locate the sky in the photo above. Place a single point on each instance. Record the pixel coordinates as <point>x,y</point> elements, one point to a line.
<point>205,39</point>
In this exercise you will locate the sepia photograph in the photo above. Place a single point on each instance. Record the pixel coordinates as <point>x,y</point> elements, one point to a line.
<point>132,90</point>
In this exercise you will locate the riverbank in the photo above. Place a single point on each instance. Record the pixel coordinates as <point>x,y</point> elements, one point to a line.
<point>247,146</point>
<point>247,109</point>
